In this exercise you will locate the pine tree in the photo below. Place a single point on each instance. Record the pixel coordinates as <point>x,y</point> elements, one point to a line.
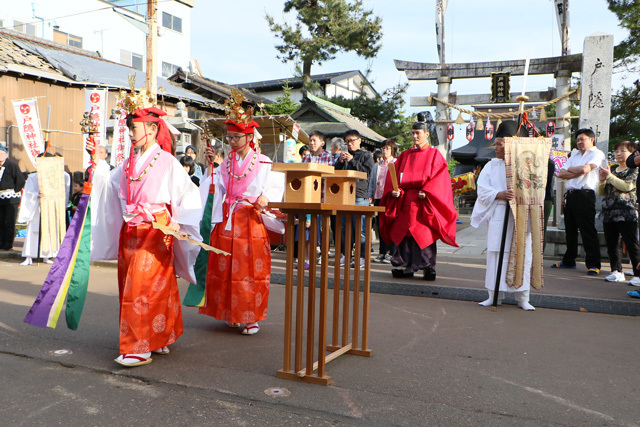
<point>284,104</point>
<point>627,52</point>
<point>625,105</point>
<point>325,28</point>
<point>383,114</point>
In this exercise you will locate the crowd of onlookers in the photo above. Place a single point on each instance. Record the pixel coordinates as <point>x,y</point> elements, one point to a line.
<point>347,154</point>
<point>587,173</point>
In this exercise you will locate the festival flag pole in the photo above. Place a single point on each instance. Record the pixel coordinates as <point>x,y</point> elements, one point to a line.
<point>46,148</point>
<point>522,98</point>
<point>195,296</point>
<point>69,275</point>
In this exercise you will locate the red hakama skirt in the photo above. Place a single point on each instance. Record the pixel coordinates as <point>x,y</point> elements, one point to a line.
<point>150,312</point>
<point>237,288</point>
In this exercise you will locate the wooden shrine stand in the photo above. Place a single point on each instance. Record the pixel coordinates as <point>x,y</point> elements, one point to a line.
<point>349,321</point>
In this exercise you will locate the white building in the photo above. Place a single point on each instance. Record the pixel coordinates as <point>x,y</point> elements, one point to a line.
<point>116,33</point>
<point>348,84</point>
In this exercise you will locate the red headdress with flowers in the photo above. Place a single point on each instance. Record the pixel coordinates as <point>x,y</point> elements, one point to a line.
<point>140,105</point>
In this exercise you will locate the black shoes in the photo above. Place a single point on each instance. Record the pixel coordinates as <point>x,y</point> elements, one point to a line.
<point>429,274</point>
<point>401,273</point>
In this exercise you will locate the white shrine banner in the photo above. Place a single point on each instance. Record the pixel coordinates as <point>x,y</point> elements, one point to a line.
<point>121,142</point>
<point>95,101</point>
<point>28,122</point>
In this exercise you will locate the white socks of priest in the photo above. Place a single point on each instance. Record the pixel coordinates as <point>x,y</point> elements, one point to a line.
<point>523,300</point>
<point>488,302</point>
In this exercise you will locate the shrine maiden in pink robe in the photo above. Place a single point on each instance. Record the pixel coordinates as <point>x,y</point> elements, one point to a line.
<point>148,261</point>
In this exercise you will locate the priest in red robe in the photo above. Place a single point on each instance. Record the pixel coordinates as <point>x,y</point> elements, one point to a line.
<point>421,211</point>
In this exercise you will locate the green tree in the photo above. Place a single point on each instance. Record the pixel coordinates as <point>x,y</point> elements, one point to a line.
<point>284,104</point>
<point>383,114</point>
<point>627,52</point>
<point>625,114</point>
<point>625,123</point>
<point>325,28</point>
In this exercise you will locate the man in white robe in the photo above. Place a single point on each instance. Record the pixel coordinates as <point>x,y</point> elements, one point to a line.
<point>30,214</point>
<point>490,208</point>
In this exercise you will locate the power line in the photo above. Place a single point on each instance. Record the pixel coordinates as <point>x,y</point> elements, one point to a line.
<point>12,27</point>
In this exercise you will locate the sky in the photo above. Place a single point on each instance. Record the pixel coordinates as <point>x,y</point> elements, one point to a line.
<point>233,44</point>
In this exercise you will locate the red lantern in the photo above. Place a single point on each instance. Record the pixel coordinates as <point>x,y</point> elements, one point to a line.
<point>450,132</point>
<point>470,132</point>
<point>488,131</point>
<point>551,128</point>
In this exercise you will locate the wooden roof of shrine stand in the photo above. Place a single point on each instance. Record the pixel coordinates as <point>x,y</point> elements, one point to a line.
<point>275,130</point>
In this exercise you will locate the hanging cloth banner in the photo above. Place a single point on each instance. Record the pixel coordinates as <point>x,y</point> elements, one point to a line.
<point>526,161</point>
<point>95,101</point>
<point>52,202</point>
<point>121,142</point>
<point>28,120</point>
<point>69,275</point>
<point>441,10</point>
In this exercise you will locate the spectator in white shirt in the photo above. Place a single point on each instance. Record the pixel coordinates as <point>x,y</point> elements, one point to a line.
<point>581,173</point>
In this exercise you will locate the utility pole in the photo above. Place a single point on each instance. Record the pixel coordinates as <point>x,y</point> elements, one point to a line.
<point>152,21</point>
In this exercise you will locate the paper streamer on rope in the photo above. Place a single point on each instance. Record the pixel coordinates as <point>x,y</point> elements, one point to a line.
<point>69,275</point>
<point>526,167</point>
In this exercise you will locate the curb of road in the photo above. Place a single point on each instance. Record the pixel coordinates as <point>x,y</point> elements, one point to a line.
<point>559,302</point>
<point>421,289</point>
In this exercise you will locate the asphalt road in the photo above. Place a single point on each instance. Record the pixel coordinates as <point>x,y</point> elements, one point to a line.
<point>436,362</point>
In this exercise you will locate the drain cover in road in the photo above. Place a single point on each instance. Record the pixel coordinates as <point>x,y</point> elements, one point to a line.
<point>277,392</point>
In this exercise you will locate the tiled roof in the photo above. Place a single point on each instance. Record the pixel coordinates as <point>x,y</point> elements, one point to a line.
<point>297,81</point>
<point>10,53</point>
<point>36,56</point>
<point>337,120</point>
<point>212,88</point>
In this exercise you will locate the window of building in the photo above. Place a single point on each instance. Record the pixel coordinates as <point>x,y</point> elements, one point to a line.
<point>168,69</point>
<point>172,22</point>
<point>136,6</point>
<point>22,27</point>
<point>66,38</point>
<point>131,59</point>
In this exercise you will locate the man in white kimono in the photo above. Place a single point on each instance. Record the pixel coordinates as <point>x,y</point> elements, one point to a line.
<point>490,206</point>
<point>30,214</point>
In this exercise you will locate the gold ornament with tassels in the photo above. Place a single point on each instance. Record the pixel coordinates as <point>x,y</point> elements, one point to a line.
<point>133,101</point>
<point>233,108</point>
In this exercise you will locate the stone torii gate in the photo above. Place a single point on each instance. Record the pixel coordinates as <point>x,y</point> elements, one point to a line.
<point>560,66</point>
<point>595,65</point>
<point>443,73</point>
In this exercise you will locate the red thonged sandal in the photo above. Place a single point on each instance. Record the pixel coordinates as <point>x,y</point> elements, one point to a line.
<point>251,329</point>
<point>132,360</point>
